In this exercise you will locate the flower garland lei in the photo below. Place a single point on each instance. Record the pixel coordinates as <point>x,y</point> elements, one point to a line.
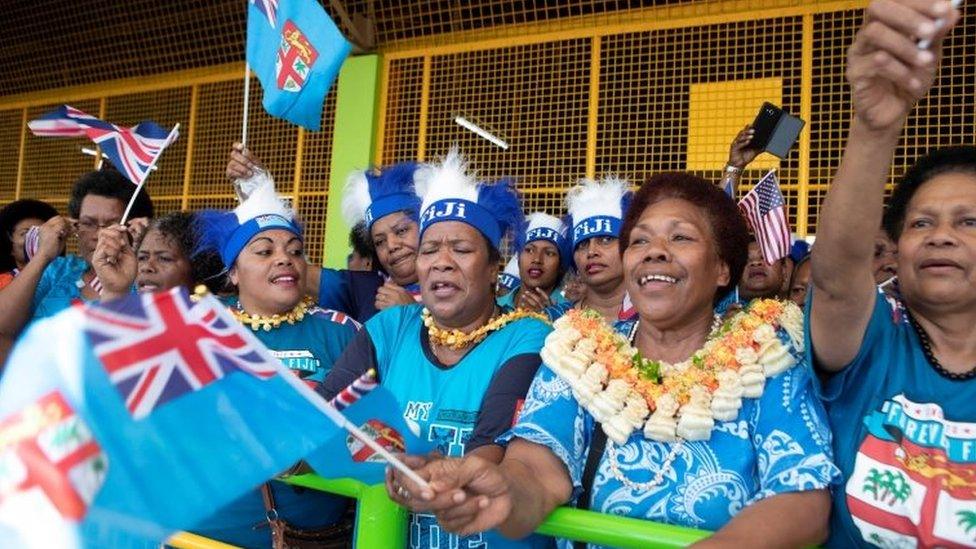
<point>673,402</point>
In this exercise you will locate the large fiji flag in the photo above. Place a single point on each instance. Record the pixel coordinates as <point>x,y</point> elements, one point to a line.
<point>765,209</point>
<point>296,50</point>
<point>134,151</point>
<point>146,415</point>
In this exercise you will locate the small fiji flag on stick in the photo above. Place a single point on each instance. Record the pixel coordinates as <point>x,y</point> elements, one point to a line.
<point>355,391</point>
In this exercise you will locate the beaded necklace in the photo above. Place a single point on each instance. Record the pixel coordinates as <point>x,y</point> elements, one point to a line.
<point>266,323</point>
<point>457,340</point>
<point>926,341</point>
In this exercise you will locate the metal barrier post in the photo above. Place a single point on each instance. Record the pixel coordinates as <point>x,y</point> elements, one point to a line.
<point>379,521</point>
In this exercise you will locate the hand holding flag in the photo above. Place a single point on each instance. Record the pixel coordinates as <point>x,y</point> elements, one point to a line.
<point>765,210</point>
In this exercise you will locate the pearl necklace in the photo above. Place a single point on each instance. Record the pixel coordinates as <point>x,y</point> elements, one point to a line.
<point>658,475</point>
<point>266,323</point>
<point>457,340</point>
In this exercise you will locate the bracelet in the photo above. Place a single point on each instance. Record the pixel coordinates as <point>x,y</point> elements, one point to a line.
<point>732,170</point>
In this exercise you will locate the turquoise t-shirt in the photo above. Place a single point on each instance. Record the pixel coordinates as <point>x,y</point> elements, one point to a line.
<point>779,443</point>
<point>59,286</point>
<point>309,348</point>
<point>905,441</point>
<point>455,406</point>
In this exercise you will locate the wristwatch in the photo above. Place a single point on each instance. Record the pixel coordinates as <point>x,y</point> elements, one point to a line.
<point>732,170</point>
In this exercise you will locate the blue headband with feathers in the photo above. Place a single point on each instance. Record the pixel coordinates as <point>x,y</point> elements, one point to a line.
<point>227,232</point>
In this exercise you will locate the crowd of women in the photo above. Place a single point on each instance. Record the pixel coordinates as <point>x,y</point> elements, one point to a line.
<point>637,357</point>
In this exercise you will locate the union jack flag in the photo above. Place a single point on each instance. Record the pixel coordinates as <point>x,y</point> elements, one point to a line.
<point>164,346</point>
<point>766,211</point>
<point>132,150</point>
<point>270,10</point>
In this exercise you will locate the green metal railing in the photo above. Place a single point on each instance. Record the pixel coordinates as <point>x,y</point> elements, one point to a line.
<point>382,523</point>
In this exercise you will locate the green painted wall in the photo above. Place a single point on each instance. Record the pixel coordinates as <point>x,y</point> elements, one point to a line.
<point>352,145</point>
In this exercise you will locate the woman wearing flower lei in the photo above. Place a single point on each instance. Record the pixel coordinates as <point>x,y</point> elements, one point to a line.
<point>708,424</point>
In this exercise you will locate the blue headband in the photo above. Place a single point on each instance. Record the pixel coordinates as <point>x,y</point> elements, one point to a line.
<point>545,233</point>
<point>465,211</point>
<point>244,233</point>
<point>508,281</point>
<point>598,225</point>
<point>391,203</point>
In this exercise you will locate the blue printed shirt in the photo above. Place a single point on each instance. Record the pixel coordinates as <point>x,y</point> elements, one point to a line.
<point>779,443</point>
<point>905,440</point>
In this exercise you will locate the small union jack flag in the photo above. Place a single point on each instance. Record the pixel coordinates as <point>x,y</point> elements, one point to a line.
<point>164,346</point>
<point>339,317</point>
<point>269,8</point>
<point>766,211</point>
<point>355,391</point>
<point>132,150</point>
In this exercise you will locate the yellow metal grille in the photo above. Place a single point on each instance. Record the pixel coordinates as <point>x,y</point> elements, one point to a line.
<point>646,80</point>
<point>615,98</point>
<point>51,44</point>
<point>534,97</point>
<point>945,117</point>
<point>405,83</point>
<point>11,123</point>
<point>190,174</point>
<point>576,88</point>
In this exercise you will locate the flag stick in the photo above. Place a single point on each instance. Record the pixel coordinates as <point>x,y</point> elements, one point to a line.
<point>169,139</point>
<point>339,419</point>
<point>98,158</point>
<point>247,98</point>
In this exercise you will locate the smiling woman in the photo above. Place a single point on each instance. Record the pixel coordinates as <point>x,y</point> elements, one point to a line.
<point>673,418</point>
<point>262,249</point>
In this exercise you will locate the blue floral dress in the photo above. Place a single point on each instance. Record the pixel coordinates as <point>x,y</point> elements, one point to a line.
<point>779,443</point>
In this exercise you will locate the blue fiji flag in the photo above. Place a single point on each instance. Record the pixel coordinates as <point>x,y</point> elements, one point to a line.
<point>148,414</point>
<point>296,50</point>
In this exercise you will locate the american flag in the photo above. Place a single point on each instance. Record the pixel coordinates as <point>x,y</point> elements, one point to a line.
<point>132,150</point>
<point>270,10</point>
<point>766,211</point>
<point>355,391</point>
<point>164,345</point>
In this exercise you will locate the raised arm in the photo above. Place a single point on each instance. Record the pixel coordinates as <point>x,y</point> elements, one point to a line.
<point>888,74</point>
<point>16,300</point>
